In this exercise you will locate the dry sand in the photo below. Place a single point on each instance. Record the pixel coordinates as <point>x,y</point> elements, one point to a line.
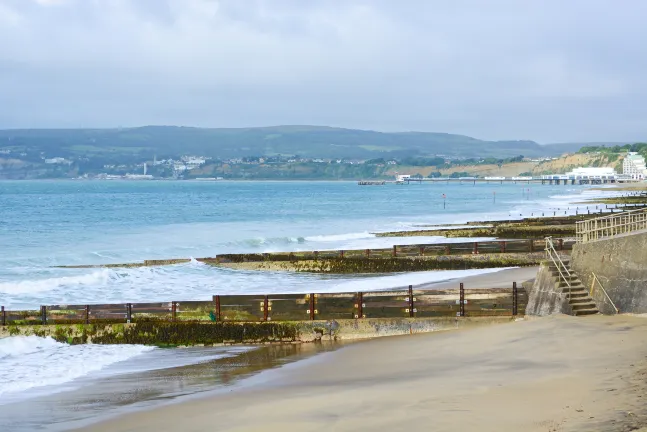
<point>557,373</point>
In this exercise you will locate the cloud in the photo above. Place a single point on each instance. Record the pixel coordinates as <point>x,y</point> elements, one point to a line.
<point>550,70</point>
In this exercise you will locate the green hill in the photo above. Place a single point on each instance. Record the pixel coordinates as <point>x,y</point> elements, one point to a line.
<point>305,141</point>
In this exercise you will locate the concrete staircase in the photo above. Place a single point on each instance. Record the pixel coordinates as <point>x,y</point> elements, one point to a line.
<point>578,297</point>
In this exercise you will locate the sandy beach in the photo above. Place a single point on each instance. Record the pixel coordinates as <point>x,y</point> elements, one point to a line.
<point>500,279</point>
<point>557,373</point>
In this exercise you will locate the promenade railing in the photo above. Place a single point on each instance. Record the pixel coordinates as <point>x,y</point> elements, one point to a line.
<point>393,303</point>
<point>610,226</point>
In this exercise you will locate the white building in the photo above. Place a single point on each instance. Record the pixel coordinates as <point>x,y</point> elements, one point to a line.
<point>593,172</point>
<point>634,166</point>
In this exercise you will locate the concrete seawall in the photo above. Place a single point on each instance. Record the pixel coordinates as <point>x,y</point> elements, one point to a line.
<point>620,264</point>
<point>199,333</point>
<point>543,295</point>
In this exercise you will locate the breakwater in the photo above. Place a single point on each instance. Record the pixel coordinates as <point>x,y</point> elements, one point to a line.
<point>265,318</point>
<point>415,257</point>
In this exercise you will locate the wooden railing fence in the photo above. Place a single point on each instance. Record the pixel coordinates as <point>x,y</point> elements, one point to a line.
<point>403,303</point>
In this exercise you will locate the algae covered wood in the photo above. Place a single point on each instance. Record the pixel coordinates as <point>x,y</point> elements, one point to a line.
<point>151,311</point>
<point>195,310</point>
<point>67,313</point>
<point>109,312</point>
<point>289,307</point>
<point>335,306</point>
<point>23,317</point>
<point>242,307</point>
<point>385,304</point>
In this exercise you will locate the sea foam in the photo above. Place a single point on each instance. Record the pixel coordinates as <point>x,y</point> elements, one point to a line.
<point>30,362</point>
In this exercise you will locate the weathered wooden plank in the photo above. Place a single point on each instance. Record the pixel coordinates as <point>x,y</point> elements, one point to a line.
<point>289,307</point>
<point>336,306</point>
<point>242,307</point>
<point>195,310</point>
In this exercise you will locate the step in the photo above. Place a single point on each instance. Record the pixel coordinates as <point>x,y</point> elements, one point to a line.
<point>580,300</point>
<point>586,305</point>
<point>555,269</point>
<point>583,312</point>
<point>577,294</point>
<point>572,282</point>
<point>575,285</point>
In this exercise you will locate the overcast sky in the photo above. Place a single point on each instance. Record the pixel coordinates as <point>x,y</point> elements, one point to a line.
<point>547,70</point>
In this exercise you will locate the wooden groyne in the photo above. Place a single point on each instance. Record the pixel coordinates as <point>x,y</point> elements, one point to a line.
<point>416,257</point>
<point>267,318</point>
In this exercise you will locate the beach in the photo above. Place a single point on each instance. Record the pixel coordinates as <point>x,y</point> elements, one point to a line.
<point>557,373</point>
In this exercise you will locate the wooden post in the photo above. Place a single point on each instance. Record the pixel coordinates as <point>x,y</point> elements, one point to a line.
<point>395,251</point>
<point>448,250</point>
<point>173,311</point>
<point>129,312</point>
<point>3,316</point>
<point>312,307</point>
<point>502,244</point>
<point>368,253</point>
<point>422,251</point>
<point>411,305</point>
<point>462,300</point>
<point>359,306</point>
<point>43,315</point>
<point>514,299</point>
<point>341,254</point>
<point>476,248</point>
<point>560,243</point>
<point>87,314</point>
<point>266,305</point>
<point>531,242</point>
<point>218,318</point>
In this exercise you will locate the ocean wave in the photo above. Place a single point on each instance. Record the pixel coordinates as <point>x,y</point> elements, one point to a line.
<point>340,237</point>
<point>29,362</point>
<point>265,241</point>
<point>99,277</point>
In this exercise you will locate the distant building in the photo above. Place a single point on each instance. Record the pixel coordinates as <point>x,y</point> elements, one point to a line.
<point>634,166</point>
<point>601,172</point>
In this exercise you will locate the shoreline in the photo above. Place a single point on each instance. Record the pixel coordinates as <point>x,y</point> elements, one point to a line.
<point>466,379</point>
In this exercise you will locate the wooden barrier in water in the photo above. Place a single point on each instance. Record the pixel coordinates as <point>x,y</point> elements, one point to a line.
<point>415,250</point>
<point>396,303</point>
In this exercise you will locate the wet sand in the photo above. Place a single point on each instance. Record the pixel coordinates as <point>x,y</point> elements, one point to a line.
<point>558,373</point>
<point>500,279</point>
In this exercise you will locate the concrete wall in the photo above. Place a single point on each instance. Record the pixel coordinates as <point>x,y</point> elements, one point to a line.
<point>544,297</point>
<point>621,266</point>
<point>163,333</point>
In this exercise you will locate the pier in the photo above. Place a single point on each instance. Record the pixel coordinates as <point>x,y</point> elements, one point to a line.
<point>544,180</point>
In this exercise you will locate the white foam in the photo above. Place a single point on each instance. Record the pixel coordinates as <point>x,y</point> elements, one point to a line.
<point>30,362</point>
<point>99,277</point>
<point>340,237</point>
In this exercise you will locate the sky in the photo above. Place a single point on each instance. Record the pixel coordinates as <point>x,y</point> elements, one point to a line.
<point>545,70</point>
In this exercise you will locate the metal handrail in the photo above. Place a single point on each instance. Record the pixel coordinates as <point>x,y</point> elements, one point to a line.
<point>595,278</point>
<point>559,264</point>
<point>610,226</point>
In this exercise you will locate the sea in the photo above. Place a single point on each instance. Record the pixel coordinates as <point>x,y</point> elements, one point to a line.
<point>44,224</point>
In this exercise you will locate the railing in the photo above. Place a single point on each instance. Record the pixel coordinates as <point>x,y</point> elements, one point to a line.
<point>564,273</point>
<point>403,303</point>
<point>595,279</point>
<point>610,226</point>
